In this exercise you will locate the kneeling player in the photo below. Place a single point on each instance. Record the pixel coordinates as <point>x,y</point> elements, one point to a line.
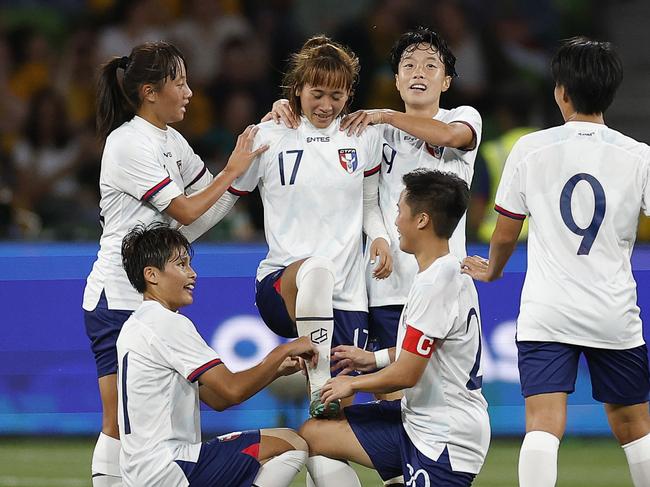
<point>440,428</point>
<point>165,367</point>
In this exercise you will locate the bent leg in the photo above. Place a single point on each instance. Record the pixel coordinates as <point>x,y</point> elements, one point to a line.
<point>283,454</point>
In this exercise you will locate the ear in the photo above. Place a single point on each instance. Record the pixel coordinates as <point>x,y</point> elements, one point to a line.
<point>148,92</point>
<point>423,220</point>
<point>446,83</point>
<point>151,275</point>
<point>397,82</point>
<point>565,96</point>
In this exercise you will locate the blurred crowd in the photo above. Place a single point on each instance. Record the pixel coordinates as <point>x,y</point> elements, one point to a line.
<point>236,52</point>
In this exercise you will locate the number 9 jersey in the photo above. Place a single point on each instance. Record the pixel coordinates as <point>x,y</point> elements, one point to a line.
<point>311,184</point>
<point>583,185</point>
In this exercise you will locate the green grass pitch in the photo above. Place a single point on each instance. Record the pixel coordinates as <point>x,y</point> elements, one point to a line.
<point>62,462</point>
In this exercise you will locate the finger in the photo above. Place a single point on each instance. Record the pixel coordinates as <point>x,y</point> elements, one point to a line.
<point>259,150</point>
<point>362,126</point>
<point>276,118</point>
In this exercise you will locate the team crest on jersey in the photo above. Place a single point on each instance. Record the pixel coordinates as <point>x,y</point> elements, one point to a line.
<point>348,159</point>
<point>435,150</point>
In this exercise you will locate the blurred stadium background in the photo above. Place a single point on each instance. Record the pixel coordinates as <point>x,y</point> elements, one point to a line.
<point>49,168</point>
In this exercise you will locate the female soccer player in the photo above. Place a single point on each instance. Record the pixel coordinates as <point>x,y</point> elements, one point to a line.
<point>148,173</point>
<point>582,185</point>
<point>319,188</point>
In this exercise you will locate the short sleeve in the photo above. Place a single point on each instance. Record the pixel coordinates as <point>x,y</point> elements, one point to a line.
<point>194,172</point>
<point>180,345</point>
<point>138,172</point>
<point>510,199</point>
<point>433,307</point>
<point>645,203</point>
<point>472,118</point>
<point>375,142</point>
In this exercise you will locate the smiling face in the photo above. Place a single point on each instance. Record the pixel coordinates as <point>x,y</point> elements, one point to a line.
<point>421,76</point>
<point>321,105</point>
<point>173,286</point>
<point>169,103</point>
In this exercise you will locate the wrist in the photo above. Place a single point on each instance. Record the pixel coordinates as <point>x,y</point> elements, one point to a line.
<point>382,358</point>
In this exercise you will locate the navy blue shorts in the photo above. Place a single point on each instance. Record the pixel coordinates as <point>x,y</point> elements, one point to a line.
<point>378,427</point>
<point>230,459</point>
<point>103,326</point>
<point>383,322</point>
<point>350,327</point>
<point>617,376</point>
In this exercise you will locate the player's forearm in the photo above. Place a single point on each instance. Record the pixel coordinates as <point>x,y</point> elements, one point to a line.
<point>500,252</point>
<point>249,382</point>
<point>431,131</point>
<point>389,379</point>
<point>210,218</point>
<point>190,208</point>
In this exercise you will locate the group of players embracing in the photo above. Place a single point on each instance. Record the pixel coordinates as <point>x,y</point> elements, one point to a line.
<point>400,318</point>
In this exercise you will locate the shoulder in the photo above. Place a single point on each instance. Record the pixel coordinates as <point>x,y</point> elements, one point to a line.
<point>273,130</point>
<point>626,143</point>
<point>440,277</point>
<point>126,142</point>
<point>461,113</point>
<point>176,136</point>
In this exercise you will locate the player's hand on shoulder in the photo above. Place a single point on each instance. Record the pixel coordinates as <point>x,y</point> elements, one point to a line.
<point>337,388</point>
<point>347,359</point>
<point>381,255</point>
<point>476,267</point>
<point>243,154</point>
<point>281,112</point>
<point>302,347</point>
<point>356,122</point>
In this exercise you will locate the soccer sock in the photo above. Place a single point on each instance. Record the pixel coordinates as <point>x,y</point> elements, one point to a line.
<point>280,470</point>
<point>637,453</point>
<point>395,481</point>
<point>105,466</point>
<point>326,472</point>
<point>538,460</point>
<point>314,315</point>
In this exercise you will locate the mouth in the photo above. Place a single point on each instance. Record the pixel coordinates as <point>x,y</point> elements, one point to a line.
<point>189,288</point>
<point>418,87</point>
<point>321,117</point>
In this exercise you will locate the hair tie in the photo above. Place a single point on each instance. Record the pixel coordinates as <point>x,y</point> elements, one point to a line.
<point>123,62</point>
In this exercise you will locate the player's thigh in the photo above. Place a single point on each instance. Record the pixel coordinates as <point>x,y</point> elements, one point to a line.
<point>628,423</point>
<point>288,288</point>
<point>334,439</point>
<point>276,441</point>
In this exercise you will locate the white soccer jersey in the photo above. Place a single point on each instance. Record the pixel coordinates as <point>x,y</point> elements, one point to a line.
<point>445,408</point>
<point>311,183</point>
<point>160,357</point>
<point>583,185</point>
<point>143,169</point>
<point>402,153</point>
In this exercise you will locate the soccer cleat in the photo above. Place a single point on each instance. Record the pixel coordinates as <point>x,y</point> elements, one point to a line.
<point>318,410</point>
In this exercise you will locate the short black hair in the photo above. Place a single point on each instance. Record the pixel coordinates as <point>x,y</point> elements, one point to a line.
<point>441,195</point>
<point>150,245</point>
<point>590,72</point>
<point>409,41</point>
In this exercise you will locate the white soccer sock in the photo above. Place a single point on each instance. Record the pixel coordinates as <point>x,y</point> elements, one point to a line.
<point>395,481</point>
<point>327,472</point>
<point>637,453</point>
<point>105,466</point>
<point>538,460</point>
<point>280,470</point>
<point>314,315</point>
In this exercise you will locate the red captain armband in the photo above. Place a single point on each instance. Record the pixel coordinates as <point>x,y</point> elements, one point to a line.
<point>418,343</point>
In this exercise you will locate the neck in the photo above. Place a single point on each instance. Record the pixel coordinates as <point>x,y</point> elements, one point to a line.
<point>148,296</point>
<point>430,251</point>
<point>151,118</point>
<point>581,117</point>
<point>429,111</point>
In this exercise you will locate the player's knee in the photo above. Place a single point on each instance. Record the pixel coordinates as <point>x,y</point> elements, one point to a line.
<point>312,432</point>
<point>316,267</point>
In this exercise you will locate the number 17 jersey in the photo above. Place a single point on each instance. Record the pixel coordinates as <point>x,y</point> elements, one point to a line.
<point>583,185</point>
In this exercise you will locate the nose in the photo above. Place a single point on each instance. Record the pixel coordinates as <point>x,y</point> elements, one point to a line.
<point>189,92</point>
<point>191,272</point>
<point>418,72</point>
<point>326,104</point>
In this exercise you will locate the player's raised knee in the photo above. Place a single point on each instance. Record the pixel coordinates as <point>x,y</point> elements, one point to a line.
<point>315,263</point>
